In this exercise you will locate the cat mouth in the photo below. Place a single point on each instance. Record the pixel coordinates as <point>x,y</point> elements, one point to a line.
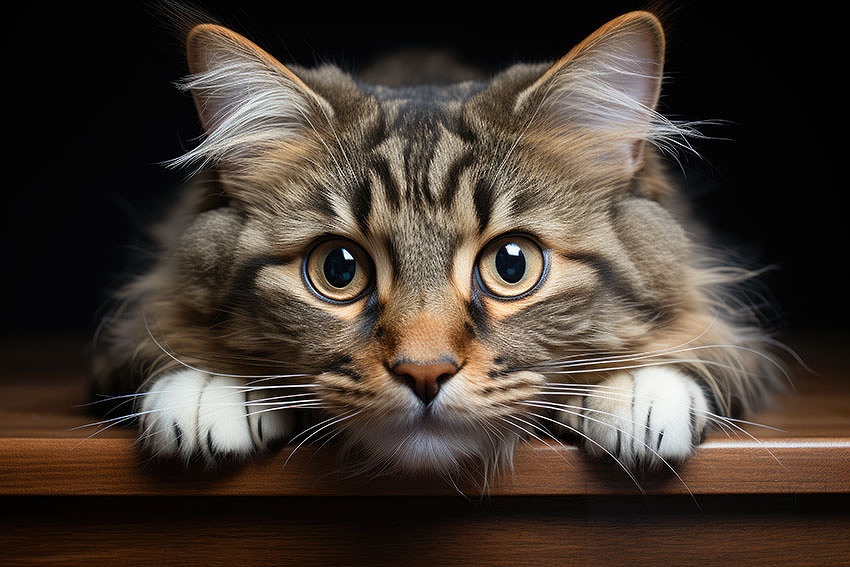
<point>427,420</point>
<point>432,418</point>
<point>424,443</point>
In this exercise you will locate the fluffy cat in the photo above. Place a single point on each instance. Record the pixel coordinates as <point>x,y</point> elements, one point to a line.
<point>436,272</point>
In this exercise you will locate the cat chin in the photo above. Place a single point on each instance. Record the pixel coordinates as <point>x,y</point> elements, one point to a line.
<point>426,449</point>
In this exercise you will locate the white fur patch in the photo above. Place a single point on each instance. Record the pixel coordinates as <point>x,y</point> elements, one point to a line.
<point>642,417</point>
<point>188,414</point>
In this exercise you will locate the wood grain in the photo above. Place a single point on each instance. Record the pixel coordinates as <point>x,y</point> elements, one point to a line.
<point>112,467</point>
<point>44,451</point>
<point>786,531</point>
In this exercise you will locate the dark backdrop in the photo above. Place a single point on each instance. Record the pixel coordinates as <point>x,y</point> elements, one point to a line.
<point>91,112</point>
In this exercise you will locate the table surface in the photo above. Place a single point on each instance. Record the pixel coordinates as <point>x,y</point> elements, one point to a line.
<point>43,452</point>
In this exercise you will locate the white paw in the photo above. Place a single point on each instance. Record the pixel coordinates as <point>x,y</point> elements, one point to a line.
<point>642,418</point>
<point>188,413</point>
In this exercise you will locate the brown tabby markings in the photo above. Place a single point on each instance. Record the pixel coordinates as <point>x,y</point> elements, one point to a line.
<point>422,179</point>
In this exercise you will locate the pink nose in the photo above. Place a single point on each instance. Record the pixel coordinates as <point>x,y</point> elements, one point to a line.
<point>425,379</point>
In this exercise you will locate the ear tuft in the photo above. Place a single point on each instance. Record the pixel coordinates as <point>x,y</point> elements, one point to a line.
<point>606,89</point>
<point>246,99</point>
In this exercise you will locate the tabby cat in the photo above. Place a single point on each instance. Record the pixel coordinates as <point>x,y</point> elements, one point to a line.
<point>432,274</point>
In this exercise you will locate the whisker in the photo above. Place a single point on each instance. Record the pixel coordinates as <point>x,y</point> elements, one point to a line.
<point>328,437</point>
<point>563,389</point>
<point>116,419</point>
<point>527,432</point>
<point>239,388</point>
<point>729,422</point>
<point>328,423</point>
<point>543,430</point>
<point>577,432</point>
<point>130,398</point>
<point>719,420</point>
<point>211,373</point>
<point>273,377</point>
<point>792,353</point>
<point>565,407</point>
<point>301,404</point>
<point>271,400</point>
<point>756,424</point>
<point>647,365</point>
<point>628,355</point>
<point>653,451</point>
<point>98,431</point>
<point>736,369</point>
<point>133,415</point>
<point>627,394</point>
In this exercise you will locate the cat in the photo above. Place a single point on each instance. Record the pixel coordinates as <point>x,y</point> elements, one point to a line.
<point>438,272</point>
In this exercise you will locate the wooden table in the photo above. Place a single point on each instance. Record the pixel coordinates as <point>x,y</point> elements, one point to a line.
<point>69,498</point>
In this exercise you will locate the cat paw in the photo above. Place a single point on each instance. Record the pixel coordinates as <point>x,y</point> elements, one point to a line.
<point>641,418</point>
<point>190,414</point>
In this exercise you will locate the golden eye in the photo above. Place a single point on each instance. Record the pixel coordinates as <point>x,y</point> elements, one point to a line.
<point>338,270</point>
<point>511,265</point>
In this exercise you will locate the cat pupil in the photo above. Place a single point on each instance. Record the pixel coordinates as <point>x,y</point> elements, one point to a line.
<point>340,267</point>
<point>510,263</point>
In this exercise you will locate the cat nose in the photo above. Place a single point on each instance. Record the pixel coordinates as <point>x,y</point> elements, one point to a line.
<point>425,379</point>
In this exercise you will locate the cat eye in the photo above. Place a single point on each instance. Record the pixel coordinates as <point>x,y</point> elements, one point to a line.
<point>511,266</point>
<point>338,270</point>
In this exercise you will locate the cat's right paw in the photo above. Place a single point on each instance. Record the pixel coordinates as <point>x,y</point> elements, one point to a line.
<point>643,419</point>
<point>190,414</point>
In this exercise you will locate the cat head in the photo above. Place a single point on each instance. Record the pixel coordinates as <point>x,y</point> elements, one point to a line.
<point>424,252</point>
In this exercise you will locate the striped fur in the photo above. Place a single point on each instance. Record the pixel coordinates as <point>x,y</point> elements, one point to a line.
<point>422,178</point>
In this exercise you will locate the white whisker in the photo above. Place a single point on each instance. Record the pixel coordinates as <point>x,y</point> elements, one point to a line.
<point>627,394</point>
<point>572,409</point>
<point>300,404</point>
<point>647,365</point>
<point>210,372</point>
<point>594,442</point>
<point>679,351</point>
<point>542,430</point>
<point>327,423</point>
<point>629,356</point>
<point>653,451</point>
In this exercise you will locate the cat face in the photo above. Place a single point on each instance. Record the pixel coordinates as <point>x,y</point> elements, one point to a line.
<point>423,253</point>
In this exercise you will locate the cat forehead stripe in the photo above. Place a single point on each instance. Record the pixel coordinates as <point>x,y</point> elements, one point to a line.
<point>420,169</point>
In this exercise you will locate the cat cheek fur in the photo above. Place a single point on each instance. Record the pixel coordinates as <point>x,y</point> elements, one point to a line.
<point>422,179</point>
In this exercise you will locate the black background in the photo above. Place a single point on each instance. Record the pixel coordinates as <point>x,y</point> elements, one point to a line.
<point>91,113</point>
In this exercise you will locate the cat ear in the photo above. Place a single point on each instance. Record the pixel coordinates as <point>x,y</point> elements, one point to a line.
<point>247,100</point>
<point>603,93</point>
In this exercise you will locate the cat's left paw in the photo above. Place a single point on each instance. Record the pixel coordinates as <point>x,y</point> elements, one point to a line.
<point>643,418</point>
